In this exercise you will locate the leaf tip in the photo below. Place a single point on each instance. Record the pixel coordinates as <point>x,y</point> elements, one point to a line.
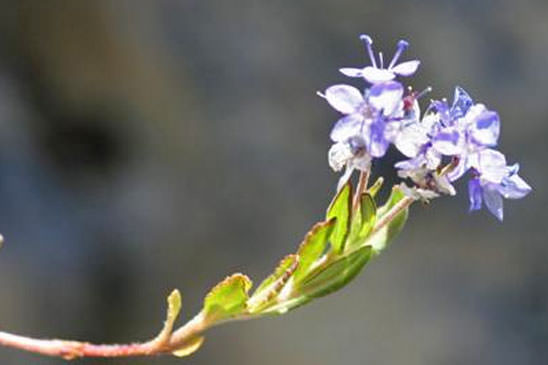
<point>190,347</point>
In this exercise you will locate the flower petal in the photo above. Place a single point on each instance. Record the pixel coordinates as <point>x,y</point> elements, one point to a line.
<point>491,165</point>
<point>475,192</point>
<point>493,201</point>
<point>448,142</point>
<point>351,71</point>
<point>458,170</point>
<point>514,187</point>
<point>344,98</point>
<point>375,140</point>
<point>406,68</point>
<point>486,129</point>
<point>432,158</point>
<point>347,127</point>
<point>410,139</point>
<point>375,75</point>
<point>461,103</point>
<point>338,156</point>
<point>386,96</point>
<point>344,178</point>
<point>443,185</point>
<point>410,164</point>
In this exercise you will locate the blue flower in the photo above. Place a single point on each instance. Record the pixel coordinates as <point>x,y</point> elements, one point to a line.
<point>477,130</point>
<point>376,72</point>
<point>460,131</point>
<point>493,180</point>
<point>365,115</point>
<point>360,135</point>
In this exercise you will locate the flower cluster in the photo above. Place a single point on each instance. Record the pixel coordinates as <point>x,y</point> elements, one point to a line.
<point>446,143</point>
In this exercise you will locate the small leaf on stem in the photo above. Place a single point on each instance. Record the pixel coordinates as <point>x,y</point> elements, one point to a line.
<point>313,246</point>
<point>368,210</point>
<point>380,240</point>
<point>190,347</point>
<point>269,289</point>
<point>363,220</point>
<point>374,189</point>
<point>228,298</point>
<point>336,274</point>
<point>340,208</point>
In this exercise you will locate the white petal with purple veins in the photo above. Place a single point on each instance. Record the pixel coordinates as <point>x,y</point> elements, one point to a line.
<point>472,115</point>
<point>491,165</point>
<point>410,139</point>
<point>375,75</point>
<point>514,187</point>
<point>386,96</point>
<point>347,127</point>
<point>475,194</point>
<point>406,68</point>
<point>448,142</point>
<point>344,98</point>
<point>486,129</point>
<point>493,201</point>
<point>432,158</point>
<point>458,170</point>
<point>351,71</point>
<point>375,141</point>
<point>338,156</point>
<point>461,102</point>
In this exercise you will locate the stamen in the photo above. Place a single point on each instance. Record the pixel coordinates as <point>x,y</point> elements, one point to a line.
<point>381,60</point>
<point>368,42</point>
<point>424,92</point>
<point>402,46</point>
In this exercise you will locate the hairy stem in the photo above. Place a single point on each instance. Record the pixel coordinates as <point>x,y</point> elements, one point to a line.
<point>75,349</point>
<point>361,188</point>
<point>392,213</point>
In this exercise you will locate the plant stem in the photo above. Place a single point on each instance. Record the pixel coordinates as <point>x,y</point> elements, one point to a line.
<point>392,213</point>
<point>76,349</point>
<point>361,188</point>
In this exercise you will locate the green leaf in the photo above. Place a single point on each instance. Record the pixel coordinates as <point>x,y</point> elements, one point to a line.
<point>173,309</point>
<point>190,347</point>
<point>363,220</point>
<point>374,189</point>
<point>287,305</point>
<point>173,306</point>
<point>340,208</point>
<point>368,210</point>
<point>380,240</point>
<point>312,247</point>
<point>284,266</point>
<point>336,274</point>
<point>272,285</point>
<point>228,298</point>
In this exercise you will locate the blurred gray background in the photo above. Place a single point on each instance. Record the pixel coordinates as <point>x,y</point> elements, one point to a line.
<point>152,145</point>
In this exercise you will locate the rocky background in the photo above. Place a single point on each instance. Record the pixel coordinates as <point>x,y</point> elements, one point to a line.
<point>152,145</point>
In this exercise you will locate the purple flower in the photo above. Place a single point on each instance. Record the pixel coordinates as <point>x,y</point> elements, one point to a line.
<point>366,114</point>
<point>449,114</point>
<point>377,73</point>
<point>460,131</point>
<point>494,180</point>
<point>360,134</point>
<point>477,130</point>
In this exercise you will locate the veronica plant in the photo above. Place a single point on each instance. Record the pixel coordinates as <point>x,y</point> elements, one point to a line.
<point>446,143</point>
